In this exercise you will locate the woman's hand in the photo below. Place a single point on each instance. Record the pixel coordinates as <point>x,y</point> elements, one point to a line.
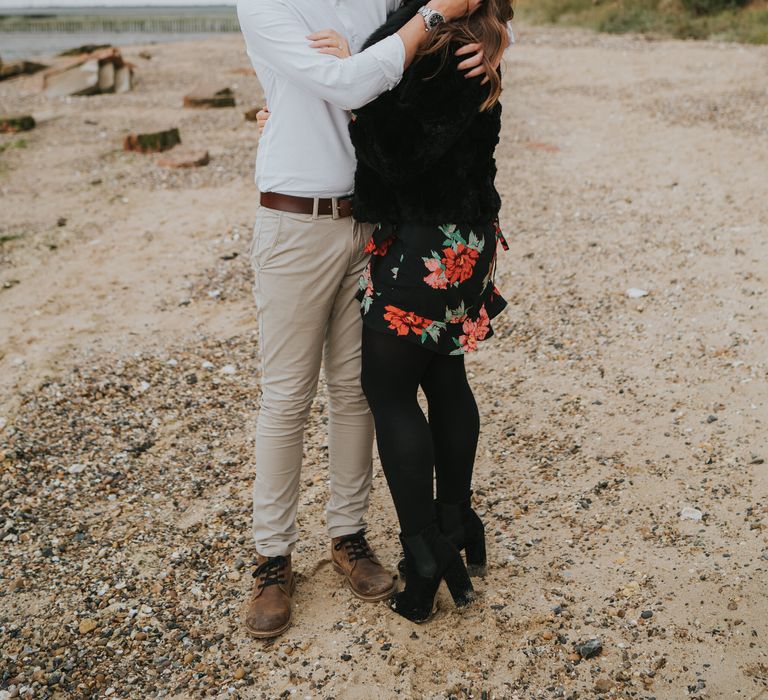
<point>453,9</point>
<point>474,64</point>
<point>329,41</point>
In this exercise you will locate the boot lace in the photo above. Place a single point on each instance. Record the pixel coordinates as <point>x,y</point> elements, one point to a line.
<point>356,546</point>
<point>271,572</point>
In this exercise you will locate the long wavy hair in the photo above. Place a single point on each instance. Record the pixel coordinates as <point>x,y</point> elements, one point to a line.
<point>486,26</point>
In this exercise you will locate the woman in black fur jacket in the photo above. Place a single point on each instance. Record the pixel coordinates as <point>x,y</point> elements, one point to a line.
<point>425,177</point>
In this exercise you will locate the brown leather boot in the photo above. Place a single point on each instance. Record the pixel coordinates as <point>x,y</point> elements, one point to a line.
<point>353,557</point>
<point>269,607</point>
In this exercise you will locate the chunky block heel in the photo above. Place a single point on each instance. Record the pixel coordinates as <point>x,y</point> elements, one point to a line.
<point>460,586</point>
<point>463,527</point>
<point>477,562</point>
<point>430,557</point>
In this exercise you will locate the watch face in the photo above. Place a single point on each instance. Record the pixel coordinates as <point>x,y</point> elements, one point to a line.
<point>435,19</point>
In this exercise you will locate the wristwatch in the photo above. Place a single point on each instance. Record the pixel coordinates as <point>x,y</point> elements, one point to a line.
<point>432,18</point>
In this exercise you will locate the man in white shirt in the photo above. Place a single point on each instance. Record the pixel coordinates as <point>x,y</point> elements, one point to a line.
<point>308,254</point>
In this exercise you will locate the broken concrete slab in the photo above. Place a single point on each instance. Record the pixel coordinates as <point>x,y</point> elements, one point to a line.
<point>210,96</point>
<point>82,79</point>
<point>10,125</point>
<point>185,159</point>
<point>152,143</point>
<point>123,79</point>
<point>106,76</point>
<point>89,74</point>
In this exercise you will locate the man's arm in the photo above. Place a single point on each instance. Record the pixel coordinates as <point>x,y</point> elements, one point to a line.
<point>275,36</point>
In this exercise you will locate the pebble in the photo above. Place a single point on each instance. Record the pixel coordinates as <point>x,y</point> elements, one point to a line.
<point>646,614</point>
<point>87,625</point>
<point>603,684</point>
<point>239,673</point>
<point>590,648</point>
<point>635,293</point>
<point>76,468</point>
<point>690,513</point>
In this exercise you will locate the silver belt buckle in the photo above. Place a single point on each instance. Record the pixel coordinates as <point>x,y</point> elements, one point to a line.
<point>335,214</point>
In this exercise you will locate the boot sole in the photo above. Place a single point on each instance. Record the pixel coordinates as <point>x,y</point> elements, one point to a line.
<point>367,598</point>
<point>269,634</point>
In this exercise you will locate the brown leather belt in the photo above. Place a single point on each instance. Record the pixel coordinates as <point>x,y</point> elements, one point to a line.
<point>337,207</point>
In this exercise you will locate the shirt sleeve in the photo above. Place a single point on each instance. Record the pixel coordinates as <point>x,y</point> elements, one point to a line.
<point>405,131</point>
<point>276,37</point>
<point>511,35</point>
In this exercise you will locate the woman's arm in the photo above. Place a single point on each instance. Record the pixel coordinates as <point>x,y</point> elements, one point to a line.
<point>406,130</point>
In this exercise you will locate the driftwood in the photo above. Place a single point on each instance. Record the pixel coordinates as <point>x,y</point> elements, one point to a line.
<point>10,125</point>
<point>16,68</point>
<point>208,96</point>
<point>152,143</point>
<point>185,159</point>
<point>86,48</point>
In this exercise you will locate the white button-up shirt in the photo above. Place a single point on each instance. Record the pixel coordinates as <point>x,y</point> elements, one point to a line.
<point>305,149</point>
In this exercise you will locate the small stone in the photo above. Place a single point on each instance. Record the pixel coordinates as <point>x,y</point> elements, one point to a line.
<point>603,685</point>
<point>346,657</point>
<point>228,369</point>
<point>590,648</point>
<point>711,419</point>
<point>646,614</point>
<point>239,674</point>
<point>76,468</point>
<point>87,626</point>
<point>61,221</point>
<point>635,293</point>
<point>690,513</point>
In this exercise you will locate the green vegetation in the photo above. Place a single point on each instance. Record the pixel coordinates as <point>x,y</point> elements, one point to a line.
<point>723,20</point>
<point>17,143</point>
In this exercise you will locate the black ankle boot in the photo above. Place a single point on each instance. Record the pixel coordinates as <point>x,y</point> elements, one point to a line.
<point>464,528</point>
<point>430,557</point>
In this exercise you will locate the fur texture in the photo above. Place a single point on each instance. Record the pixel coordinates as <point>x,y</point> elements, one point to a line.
<point>424,150</point>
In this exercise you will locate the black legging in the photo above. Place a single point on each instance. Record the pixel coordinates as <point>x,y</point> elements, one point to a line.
<point>409,446</point>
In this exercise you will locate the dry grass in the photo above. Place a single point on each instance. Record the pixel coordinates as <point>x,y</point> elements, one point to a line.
<point>653,17</point>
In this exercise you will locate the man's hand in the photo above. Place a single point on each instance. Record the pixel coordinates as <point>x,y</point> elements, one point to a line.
<point>474,64</point>
<point>330,42</point>
<point>261,118</point>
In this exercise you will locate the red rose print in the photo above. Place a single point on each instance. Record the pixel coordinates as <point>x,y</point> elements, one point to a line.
<point>459,263</point>
<point>382,249</point>
<point>435,279</point>
<point>475,331</point>
<point>404,321</point>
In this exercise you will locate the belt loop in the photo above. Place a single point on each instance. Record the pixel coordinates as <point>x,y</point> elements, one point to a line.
<point>315,207</point>
<point>335,208</point>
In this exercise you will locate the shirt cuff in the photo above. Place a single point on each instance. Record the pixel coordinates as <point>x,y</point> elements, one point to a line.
<point>511,35</point>
<point>390,54</point>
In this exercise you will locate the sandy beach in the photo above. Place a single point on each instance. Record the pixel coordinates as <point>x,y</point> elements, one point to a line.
<point>623,466</point>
